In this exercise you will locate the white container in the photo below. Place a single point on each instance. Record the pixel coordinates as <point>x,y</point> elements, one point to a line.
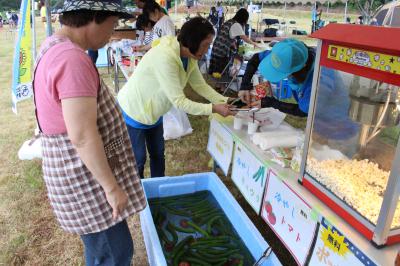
<point>252,127</point>
<point>238,122</point>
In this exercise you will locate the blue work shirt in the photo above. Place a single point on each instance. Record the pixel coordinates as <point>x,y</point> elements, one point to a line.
<point>303,97</point>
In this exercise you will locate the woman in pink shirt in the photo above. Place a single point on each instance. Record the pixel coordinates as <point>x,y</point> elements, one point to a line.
<point>88,164</point>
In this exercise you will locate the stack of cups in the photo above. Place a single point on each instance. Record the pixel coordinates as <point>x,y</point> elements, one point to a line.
<point>238,122</point>
<point>252,127</point>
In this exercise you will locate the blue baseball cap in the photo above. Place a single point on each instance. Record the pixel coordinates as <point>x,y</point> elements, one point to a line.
<point>285,58</point>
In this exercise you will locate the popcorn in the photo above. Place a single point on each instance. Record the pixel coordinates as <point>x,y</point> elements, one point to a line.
<point>360,183</point>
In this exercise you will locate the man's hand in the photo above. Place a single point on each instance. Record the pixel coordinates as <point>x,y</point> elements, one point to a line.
<point>222,109</point>
<point>244,95</point>
<point>256,104</point>
<point>118,200</point>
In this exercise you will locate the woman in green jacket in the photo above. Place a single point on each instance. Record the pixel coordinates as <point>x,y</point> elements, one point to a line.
<point>157,85</point>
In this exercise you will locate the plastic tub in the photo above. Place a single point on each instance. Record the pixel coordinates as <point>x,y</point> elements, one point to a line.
<point>171,186</point>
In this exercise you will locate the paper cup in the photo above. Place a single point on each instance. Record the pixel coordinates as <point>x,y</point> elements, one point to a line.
<point>252,127</point>
<point>237,123</point>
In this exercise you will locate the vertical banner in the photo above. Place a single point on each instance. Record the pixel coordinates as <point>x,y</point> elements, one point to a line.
<point>220,145</point>
<point>333,248</point>
<point>249,175</point>
<point>290,217</point>
<point>22,68</point>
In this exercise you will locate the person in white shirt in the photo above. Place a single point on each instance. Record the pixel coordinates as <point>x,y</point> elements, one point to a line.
<point>220,11</point>
<point>163,23</point>
<point>143,23</point>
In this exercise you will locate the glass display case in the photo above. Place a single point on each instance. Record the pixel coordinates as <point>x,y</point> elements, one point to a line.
<point>351,157</point>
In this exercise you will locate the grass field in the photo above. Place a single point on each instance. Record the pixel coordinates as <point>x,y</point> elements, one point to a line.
<point>29,234</point>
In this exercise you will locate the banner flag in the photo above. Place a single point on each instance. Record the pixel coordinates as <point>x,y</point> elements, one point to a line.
<point>22,68</point>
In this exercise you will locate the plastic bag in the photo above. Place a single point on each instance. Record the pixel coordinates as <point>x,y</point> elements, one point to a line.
<point>31,149</point>
<point>176,124</point>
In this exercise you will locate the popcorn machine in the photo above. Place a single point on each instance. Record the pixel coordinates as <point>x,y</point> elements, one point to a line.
<point>351,156</point>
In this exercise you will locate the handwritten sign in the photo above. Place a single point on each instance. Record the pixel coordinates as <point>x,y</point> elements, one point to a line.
<point>220,145</point>
<point>289,216</point>
<point>249,175</point>
<point>333,248</point>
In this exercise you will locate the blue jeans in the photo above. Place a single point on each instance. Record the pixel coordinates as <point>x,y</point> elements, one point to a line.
<point>153,138</point>
<point>113,246</point>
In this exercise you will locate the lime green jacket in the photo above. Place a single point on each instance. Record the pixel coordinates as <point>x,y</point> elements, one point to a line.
<point>157,84</point>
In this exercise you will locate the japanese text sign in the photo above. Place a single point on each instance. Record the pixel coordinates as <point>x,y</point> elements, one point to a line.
<point>334,249</point>
<point>249,175</point>
<point>289,216</point>
<point>220,145</point>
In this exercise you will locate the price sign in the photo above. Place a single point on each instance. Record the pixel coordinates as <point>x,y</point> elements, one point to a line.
<point>249,175</point>
<point>333,248</point>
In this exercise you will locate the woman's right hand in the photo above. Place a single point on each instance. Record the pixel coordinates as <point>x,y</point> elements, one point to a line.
<point>222,109</point>
<point>118,200</point>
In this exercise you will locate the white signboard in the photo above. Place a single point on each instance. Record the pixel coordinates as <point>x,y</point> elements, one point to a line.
<point>289,216</point>
<point>220,145</point>
<point>333,248</point>
<point>249,175</point>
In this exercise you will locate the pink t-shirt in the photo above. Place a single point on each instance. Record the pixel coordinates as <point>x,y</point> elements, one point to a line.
<point>65,71</point>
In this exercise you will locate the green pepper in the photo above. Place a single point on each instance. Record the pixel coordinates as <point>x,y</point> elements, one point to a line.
<point>181,245</point>
<point>209,259</point>
<point>211,221</point>
<point>177,256</point>
<point>198,228</point>
<point>172,232</point>
<point>175,211</point>
<point>197,261</point>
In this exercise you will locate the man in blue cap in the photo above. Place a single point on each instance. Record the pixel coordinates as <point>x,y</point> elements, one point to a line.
<point>290,59</point>
<point>293,60</point>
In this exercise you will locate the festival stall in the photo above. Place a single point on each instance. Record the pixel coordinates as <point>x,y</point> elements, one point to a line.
<point>330,194</point>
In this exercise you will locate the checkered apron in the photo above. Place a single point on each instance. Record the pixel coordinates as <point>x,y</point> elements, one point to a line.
<point>78,200</point>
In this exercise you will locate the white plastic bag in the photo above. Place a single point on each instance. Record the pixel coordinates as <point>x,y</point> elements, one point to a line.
<point>31,149</point>
<point>176,124</point>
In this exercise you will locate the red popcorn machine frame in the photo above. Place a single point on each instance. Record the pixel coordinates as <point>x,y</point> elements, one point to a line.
<point>351,156</point>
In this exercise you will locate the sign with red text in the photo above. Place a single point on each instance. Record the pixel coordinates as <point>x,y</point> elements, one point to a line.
<point>289,216</point>
<point>334,249</point>
<point>220,145</point>
<point>250,175</point>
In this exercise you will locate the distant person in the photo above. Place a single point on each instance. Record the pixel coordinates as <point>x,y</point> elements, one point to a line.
<point>8,17</point>
<point>143,23</point>
<point>226,42</point>
<point>220,11</point>
<point>14,19</point>
<point>374,22</point>
<point>360,20</point>
<point>316,13</point>
<point>348,20</point>
<point>163,24</point>
<point>43,13</point>
<point>213,16</point>
<point>1,21</point>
